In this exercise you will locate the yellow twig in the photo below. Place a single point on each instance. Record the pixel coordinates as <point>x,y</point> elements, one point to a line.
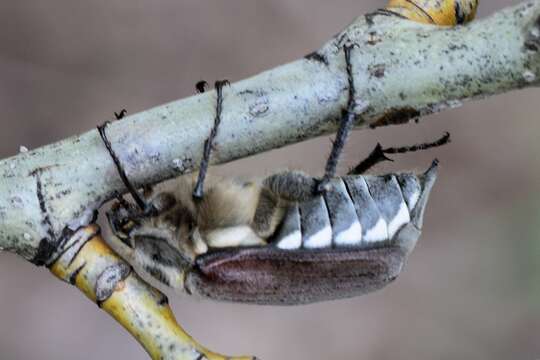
<point>91,265</point>
<point>436,12</point>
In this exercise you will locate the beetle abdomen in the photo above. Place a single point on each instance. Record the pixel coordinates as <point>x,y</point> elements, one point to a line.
<point>352,240</point>
<point>357,211</point>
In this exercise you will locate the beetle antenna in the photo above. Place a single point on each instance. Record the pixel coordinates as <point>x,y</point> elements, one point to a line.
<point>379,154</point>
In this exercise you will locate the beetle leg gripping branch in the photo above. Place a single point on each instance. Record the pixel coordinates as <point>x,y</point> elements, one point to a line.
<point>120,115</point>
<point>346,124</point>
<point>198,191</point>
<point>134,193</point>
<point>201,86</point>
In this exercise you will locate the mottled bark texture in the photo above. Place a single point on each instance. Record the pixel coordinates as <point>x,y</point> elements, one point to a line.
<point>402,70</point>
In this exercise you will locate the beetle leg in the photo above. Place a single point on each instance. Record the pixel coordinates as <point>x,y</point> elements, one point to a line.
<point>121,201</point>
<point>379,154</point>
<point>136,196</point>
<point>291,185</point>
<point>201,86</point>
<point>345,127</point>
<point>198,191</point>
<point>120,115</point>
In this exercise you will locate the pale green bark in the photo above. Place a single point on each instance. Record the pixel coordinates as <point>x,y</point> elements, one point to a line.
<point>402,70</point>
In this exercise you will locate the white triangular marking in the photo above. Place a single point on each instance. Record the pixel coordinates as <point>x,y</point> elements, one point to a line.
<point>351,236</point>
<point>377,233</point>
<point>291,241</point>
<point>401,218</point>
<point>321,239</point>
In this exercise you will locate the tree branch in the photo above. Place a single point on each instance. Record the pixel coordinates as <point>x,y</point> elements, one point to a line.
<point>403,70</point>
<point>91,266</point>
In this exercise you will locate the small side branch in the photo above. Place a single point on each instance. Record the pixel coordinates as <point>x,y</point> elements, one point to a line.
<point>91,266</point>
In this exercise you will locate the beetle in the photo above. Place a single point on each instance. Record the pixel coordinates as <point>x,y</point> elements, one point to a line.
<point>350,240</point>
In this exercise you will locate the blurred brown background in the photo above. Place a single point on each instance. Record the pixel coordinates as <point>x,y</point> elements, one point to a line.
<point>472,287</point>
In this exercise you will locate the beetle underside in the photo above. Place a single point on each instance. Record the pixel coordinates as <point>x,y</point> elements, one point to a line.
<point>351,240</point>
